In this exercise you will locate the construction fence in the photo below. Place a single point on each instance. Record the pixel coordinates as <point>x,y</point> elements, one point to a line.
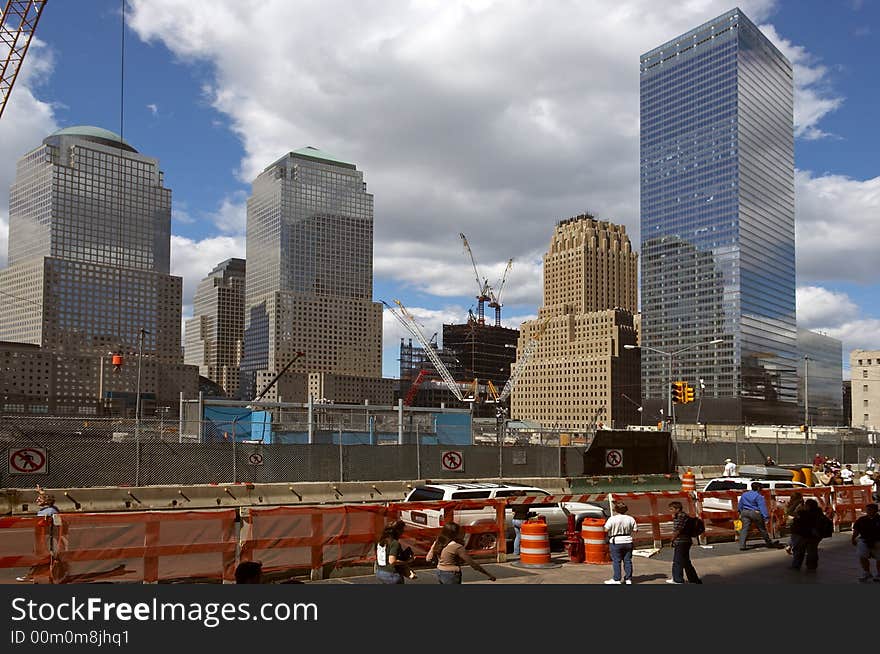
<point>313,541</point>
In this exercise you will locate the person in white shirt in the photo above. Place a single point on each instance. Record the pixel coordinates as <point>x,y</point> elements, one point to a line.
<point>866,479</point>
<point>729,468</point>
<point>620,528</point>
<point>847,474</point>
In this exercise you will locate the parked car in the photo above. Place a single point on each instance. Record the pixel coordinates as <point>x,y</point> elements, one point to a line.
<point>555,514</point>
<point>742,484</point>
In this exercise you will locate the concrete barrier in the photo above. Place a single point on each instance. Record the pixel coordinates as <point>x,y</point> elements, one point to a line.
<point>203,496</point>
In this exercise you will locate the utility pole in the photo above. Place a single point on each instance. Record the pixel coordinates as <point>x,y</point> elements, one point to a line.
<point>806,404</point>
<point>137,408</point>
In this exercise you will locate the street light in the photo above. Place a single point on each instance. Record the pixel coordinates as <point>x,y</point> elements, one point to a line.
<point>670,356</point>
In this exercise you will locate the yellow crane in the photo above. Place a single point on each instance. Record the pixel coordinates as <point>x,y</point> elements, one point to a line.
<point>17,26</point>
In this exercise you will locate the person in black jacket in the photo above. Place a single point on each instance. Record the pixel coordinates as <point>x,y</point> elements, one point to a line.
<point>806,532</point>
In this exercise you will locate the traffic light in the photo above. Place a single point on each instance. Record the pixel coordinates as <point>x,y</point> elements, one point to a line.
<point>688,393</point>
<point>678,392</point>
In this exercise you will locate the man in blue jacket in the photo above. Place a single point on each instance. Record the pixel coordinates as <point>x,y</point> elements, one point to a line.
<point>753,508</point>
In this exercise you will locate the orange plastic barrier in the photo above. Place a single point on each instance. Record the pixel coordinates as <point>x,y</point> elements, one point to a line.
<point>778,522</point>
<point>146,546</point>
<point>24,549</point>
<point>652,509</point>
<point>534,544</point>
<point>849,503</point>
<point>596,548</point>
<point>719,509</point>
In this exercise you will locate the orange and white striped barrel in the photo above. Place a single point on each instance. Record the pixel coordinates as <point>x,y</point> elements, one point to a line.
<point>595,546</point>
<point>688,481</point>
<point>534,547</point>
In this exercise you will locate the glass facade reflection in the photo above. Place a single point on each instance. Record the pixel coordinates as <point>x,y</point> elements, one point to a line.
<point>821,364</point>
<point>717,223</point>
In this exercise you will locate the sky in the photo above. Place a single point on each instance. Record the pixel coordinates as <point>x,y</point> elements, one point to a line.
<point>491,118</point>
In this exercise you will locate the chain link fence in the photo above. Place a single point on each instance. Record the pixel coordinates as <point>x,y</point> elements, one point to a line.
<point>72,452</point>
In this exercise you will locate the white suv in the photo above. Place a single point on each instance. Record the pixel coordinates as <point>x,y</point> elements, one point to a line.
<point>556,515</point>
<point>742,484</point>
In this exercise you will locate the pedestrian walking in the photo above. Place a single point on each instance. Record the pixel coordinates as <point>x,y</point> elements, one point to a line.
<point>818,463</point>
<point>795,504</point>
<point>450,555</point>
<point>681,547</point>
<point>753,509</point>
<point>866,538</point>
<point>729,468</point>
<point>620,528</point>
<point>847,474</point>
<point>391,566</point>
<point>46,502</point>
<point>869,463</point>
<point>809,527</point>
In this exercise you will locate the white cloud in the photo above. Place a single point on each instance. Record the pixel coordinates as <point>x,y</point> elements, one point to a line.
<point>154,109</point>
<point>231,215</point>
<point>25,123</point>
<point>819,307</point>
<point>813,97</point>
<point>835,314</point>
<point>193,260</point>
<point>837,228</point>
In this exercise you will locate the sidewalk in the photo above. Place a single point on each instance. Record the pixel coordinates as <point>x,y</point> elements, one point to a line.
<point>717,564</point>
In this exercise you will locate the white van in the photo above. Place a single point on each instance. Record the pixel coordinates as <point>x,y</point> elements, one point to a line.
<point>742,484</point>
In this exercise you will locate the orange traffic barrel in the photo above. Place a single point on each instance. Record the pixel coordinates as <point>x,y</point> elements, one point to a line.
<point>688,481</point>
<point>534,546</point>
<point>595,546</point>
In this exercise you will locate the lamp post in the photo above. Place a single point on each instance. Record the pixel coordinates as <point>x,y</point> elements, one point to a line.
<point>806,406</point>
<point>670,356</point>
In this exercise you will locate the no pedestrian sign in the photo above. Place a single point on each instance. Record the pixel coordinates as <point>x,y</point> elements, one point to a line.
<point>28,461</point>
<point>452,461</point>
<point>613,458</point>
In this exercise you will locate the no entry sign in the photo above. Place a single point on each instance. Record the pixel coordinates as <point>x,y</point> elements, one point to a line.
<point>613,458</point>
<point>28,461</point>
<point>452,460</point>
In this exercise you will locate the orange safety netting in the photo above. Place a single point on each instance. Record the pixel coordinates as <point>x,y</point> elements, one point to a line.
<point>303,538</point>
<point>651,510</point>
<point>148,546</point>
<point>25,548</point>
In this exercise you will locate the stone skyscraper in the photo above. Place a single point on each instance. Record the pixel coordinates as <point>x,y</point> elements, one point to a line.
<point>215,333</point>
<point>717,223</point>
<point>580,370</point>
<point>309,280</point>
<point>89,254</point>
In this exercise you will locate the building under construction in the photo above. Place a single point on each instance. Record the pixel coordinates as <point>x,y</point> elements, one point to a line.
<point>470,351</point>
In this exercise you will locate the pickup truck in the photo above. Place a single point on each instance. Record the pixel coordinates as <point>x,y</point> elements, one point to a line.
<point>556,515</point>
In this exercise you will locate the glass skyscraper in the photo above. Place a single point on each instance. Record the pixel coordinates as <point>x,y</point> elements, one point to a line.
<point>309,282</point>
<point>717,224</point>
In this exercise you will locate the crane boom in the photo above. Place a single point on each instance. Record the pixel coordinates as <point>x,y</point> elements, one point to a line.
<point>406,319</point>
<point>17,25</point>
<point>521,364</point>
<point>485,291</point>
<point>495,301</point>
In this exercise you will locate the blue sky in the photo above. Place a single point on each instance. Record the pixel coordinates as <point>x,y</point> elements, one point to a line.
<point>495,119</point>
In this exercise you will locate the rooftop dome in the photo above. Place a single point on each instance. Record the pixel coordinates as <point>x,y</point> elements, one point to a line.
<point>97,134</point>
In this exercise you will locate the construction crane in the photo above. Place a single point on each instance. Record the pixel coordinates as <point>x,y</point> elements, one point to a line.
<point>495,301</point>
<point>406,319</point>
<point>414,388</point>
<point>484,293</point>
<point>528,351</point>
<point>17,25</point>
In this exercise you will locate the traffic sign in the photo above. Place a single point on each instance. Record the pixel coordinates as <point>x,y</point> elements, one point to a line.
<point>613,458</point>
<point>452,460</point>
<point>28,461</point>
<point>255,459</point>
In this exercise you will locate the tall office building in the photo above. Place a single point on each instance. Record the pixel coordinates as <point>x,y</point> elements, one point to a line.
<point>309,282</point>
<point>865,369</point>
<point>89,252</point>
<point>717,223</point>
<point>580,374</point>
<point>215,333</point>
